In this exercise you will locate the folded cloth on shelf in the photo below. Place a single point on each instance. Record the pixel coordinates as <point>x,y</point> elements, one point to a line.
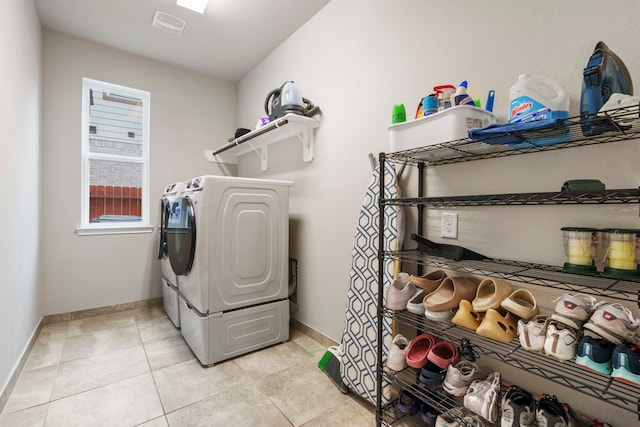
<point>511,133</point>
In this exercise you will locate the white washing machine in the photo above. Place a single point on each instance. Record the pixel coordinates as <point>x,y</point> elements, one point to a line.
<point>230,252</point>
<point>168,214</point>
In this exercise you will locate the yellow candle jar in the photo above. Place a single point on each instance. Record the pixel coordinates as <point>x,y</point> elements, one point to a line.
<point>580,246</point>
<point>622,250</point>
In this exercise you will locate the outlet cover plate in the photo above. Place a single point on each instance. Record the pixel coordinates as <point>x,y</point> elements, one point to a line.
<point>449,226</point>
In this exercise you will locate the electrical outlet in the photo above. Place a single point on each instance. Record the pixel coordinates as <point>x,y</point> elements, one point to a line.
<point>449,226</point>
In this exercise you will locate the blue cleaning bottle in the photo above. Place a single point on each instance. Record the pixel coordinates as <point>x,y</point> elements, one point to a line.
<point>461,97</point>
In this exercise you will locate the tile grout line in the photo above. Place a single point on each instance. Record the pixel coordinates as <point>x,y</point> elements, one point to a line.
<point>153,378</point>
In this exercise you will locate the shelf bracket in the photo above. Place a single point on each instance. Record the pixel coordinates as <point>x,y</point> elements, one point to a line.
<point>306,138</point>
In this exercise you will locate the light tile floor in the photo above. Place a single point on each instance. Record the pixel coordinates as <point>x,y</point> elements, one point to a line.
<point>134,369</point>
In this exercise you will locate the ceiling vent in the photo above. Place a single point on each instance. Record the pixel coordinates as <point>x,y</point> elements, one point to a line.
<point>169,23</point>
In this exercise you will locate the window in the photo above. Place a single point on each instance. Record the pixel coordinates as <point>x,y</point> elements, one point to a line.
<point>115,159</point>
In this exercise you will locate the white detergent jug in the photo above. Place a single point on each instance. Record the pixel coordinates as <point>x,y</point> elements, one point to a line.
<point>536,98</point>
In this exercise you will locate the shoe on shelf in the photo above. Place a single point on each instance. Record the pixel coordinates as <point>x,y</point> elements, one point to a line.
<point>414,305</point>
<point>483,397</point>
<point>399,292</point>
<point>614,322</point>
<point>490,294</point>
<point>561,341</point>
<point>518,408</point>
<point>460,376</point>
<point>450,292</point>
<point>408,403</point>
<point>457,417</point>
<point>428,414</point>
<point>553,413</point>
<point>626,363</point>
<point>419,349</point>
<point>533,333</point>
<point>498,326</point>
<point>595,354</point>
<point>397,358</point>
<point>431,374</point>
<point>439,316</point>
<point>466,317</point>
<point>522,303</point>
<point>429,281</point>
<point>442,354</point>
<point>574,310</point>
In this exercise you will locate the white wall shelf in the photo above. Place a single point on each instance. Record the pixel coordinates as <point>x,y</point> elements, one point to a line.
<point>279,130</point>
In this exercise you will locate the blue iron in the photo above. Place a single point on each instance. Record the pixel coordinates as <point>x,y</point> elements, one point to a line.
<point>604,75</point>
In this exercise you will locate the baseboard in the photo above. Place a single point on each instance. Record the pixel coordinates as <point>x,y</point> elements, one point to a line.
<point>4,396</point>
<point>100,311</point>
<point>312,333</point>
<point>66,317</point>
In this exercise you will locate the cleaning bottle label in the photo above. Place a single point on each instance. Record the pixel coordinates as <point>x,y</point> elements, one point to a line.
<point>524,109</point>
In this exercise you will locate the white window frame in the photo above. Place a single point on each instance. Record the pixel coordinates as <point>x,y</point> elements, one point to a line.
<point>121,227</point>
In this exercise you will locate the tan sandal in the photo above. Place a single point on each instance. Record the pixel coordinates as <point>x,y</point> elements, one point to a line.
<point>429,281</point>
<point>522,303</point>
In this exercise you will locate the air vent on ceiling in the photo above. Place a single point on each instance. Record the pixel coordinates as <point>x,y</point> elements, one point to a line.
<point>169,23</point>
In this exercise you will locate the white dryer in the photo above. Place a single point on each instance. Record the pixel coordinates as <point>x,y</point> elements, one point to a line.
<point>230,252</point>
<point>169,214</point>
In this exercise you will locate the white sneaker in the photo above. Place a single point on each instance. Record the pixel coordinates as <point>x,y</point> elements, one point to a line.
<point>457,417</point>
<point>415,303</point>
<point>399,292</point>
<point>460,376</point>
<point>561,341</point>
<point>615,323</point>
<point>532,334</point>
<point>397,358</point>
<point>574,310</point>
<point>483,397</point>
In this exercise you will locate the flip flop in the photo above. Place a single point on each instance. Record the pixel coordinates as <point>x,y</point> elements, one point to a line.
<point>450,292</point>
<point>490,294</point>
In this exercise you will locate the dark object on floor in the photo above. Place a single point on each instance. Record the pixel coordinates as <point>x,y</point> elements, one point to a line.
<point>443,250</point>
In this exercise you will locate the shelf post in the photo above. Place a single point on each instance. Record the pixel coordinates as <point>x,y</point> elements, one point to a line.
<point>380,312</point>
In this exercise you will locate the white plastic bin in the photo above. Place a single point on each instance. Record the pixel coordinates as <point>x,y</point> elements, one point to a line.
<point>448,125</point>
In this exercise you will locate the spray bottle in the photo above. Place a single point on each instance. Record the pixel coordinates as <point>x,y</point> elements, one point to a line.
<point>444,93</point>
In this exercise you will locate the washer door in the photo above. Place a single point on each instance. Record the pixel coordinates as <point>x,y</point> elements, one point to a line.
<point>181,235</point>
<point>164,216</point>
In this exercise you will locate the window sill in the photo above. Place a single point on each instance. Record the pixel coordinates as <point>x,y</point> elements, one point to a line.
<point>121,229</point>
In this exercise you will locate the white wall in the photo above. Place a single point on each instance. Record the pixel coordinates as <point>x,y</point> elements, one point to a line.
<point>356,58</point>
<point>380,54</point>
<point>20,308</point>
<point>189,112</point>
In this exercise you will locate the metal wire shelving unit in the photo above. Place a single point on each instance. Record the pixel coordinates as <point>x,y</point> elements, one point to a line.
<point>621,126</point>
